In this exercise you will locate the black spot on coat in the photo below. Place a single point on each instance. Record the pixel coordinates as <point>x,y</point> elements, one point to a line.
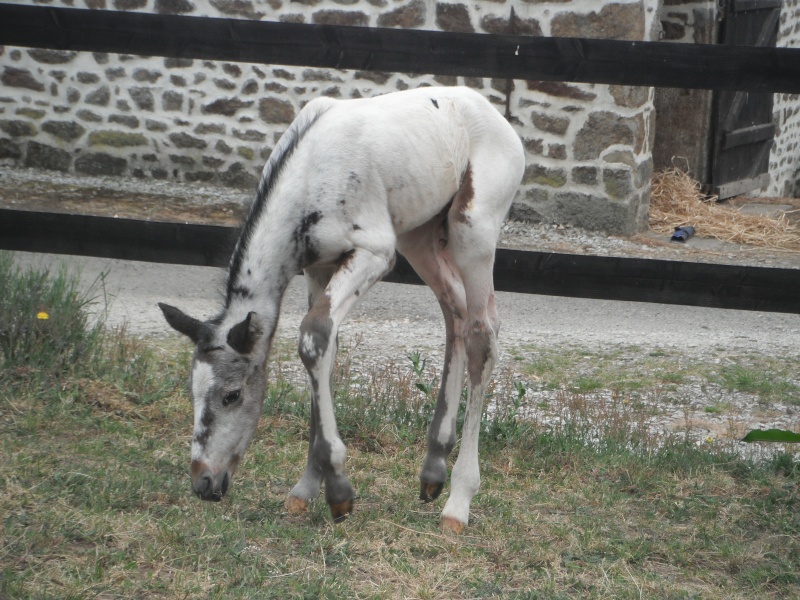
<point>242,291</point>
<point>303,241</point>
<point>207,421</point>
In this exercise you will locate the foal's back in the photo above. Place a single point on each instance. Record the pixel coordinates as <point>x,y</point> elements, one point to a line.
<point>402,155</point>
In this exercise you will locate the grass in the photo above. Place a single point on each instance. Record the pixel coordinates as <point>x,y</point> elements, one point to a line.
<point>768,381</point>
<point>95,500</point>
<point>628,370</point>
<point>586,371</point>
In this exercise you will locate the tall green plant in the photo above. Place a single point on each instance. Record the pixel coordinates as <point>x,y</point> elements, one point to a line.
<point>44,323</point>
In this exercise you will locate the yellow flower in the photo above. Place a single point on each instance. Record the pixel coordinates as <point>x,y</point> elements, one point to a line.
<point>42,316</point>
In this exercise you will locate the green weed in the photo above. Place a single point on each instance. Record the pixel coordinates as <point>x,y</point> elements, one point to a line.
<point>762,380</point>
<point>44,325</point>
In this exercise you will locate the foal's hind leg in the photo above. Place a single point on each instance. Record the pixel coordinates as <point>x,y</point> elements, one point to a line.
<point>426,250</point>
<point>481,347</point>
<point>474,221</point>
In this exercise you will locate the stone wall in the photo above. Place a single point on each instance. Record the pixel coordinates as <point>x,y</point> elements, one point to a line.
<point>784,160</point>
<point>689,21</point>
<point>588,146</point>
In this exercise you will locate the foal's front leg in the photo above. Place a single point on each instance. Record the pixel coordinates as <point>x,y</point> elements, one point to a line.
<point>310,483</point>
<point>357,272</point>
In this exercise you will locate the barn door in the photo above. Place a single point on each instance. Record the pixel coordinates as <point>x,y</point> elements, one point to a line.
<point>744,129</point>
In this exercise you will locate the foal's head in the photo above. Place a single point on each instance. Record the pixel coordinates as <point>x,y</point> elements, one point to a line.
<point>227,384</point>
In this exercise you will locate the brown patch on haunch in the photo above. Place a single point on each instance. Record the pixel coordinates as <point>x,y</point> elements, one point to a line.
<point>462,201</point>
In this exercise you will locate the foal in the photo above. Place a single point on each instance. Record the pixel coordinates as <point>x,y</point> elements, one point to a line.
<point>430,173</point>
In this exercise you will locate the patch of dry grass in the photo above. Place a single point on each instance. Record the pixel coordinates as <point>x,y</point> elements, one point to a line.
<point>96,502</point>
<point>676,200</point>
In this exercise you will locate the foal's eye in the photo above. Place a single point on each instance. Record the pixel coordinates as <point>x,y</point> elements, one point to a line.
<point>231,397</point>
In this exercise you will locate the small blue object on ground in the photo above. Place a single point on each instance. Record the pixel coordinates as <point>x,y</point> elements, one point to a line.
<point>682,234</point>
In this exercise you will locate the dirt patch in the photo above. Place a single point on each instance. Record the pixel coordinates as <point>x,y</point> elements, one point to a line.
<point>107,202</point>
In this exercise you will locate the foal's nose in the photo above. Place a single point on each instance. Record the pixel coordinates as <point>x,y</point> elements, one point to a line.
<point>212,487</point>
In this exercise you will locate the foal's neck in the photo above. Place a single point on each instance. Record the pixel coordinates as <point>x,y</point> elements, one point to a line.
<point>260,271</point>
<point>272,247</point>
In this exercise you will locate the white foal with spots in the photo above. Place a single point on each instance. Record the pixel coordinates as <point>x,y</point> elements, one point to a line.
<point>430,173</point>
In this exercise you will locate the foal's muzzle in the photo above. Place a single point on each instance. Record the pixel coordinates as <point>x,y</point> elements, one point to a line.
<point>208,486</point>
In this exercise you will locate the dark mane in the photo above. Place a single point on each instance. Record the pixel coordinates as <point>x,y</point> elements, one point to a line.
<point>272,171</point>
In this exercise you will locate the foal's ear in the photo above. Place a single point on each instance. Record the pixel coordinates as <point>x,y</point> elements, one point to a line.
<point>183,323</point>
<point>243,336</point>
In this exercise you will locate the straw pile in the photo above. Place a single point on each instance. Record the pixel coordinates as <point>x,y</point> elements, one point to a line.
<point>676,200</point>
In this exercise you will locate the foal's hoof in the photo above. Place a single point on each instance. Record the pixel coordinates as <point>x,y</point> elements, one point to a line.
<point>451,525</point>
<point>430,491</point>
<point>340,510</point>
<point>295,505</point>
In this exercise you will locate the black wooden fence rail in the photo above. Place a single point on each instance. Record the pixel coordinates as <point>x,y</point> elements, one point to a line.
<point>412,51</point>
<point>610,278</point>
<point>660,64</point>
